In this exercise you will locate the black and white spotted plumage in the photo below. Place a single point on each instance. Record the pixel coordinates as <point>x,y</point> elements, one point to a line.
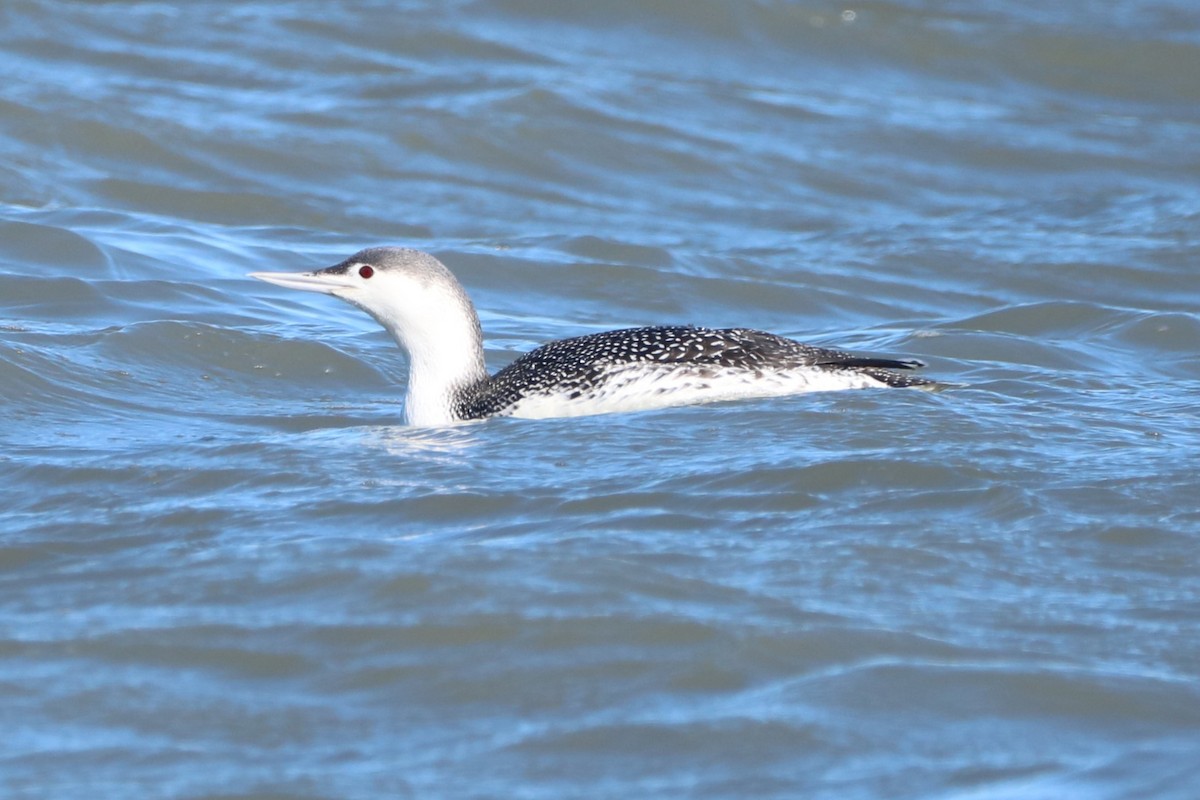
<point>424,307</point>
<point>578,369</point>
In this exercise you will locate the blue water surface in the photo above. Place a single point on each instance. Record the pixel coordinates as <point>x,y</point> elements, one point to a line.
<point>228,570</point>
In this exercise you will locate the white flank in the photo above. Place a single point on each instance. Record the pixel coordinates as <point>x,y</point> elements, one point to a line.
<point>644,386</point>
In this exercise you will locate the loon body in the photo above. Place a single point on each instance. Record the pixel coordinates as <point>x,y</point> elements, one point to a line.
<point>426,310</point>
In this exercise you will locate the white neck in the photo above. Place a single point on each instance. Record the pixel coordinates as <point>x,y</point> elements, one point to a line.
<point>440,332</point>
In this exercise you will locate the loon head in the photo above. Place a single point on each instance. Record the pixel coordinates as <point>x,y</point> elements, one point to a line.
<point>421,304</point>
<point>397,286</point>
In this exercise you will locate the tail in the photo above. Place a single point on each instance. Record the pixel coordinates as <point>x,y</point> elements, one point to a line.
<point>855,362</point>
<point>881,369</point>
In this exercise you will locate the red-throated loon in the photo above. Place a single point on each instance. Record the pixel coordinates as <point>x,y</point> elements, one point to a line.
<point>426,310</point>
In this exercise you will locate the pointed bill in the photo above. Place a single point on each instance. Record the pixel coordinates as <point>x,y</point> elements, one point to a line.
<point>324,282</point>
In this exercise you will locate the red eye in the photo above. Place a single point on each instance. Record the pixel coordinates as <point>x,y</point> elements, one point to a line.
<point>365,271</point>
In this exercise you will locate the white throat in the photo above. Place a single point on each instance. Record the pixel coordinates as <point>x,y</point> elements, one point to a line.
<point>436,325</point>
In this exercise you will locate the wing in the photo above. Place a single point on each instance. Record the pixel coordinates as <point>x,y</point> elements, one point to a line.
<point>751,349</point>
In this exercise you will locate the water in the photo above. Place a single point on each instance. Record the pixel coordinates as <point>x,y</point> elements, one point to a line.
<point>227,570</point>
